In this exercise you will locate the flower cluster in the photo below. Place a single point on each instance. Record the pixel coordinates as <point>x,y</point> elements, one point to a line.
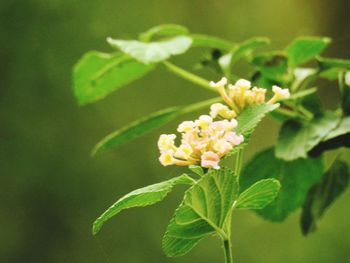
<point>203,141</point>
<point>241,95</point>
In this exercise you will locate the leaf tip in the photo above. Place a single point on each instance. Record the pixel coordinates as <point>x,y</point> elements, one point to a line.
<point>95,228</point>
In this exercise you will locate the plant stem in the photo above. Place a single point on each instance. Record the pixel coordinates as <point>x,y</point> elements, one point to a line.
<point>200,105</point>
<point>238,166</point>
<point>227,241</point>
<point>188,76</point>
<point>227,250</point>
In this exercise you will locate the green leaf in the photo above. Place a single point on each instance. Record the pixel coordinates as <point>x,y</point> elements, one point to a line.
<point>259,194</point>
<point>302,77</point>
<point>296,178</point>
<point>338,137</point>
<point>211,42</point>
<point>273,66</point>
<point>251,116</point>
<point>341,129</point>
<point>248,121</point>
<point>146,124</point>
<point>245,48</point>
<point>303,49</point>
<point>204,210</point>
<point>141,197</point>
<point>241,50</point>
<point>301,94</point>
<point>322,195</point>
<point>333,63</point>
<point>98,74</point>
<point>344,86</point>
<point>136,129</point>
<point>152,52</point>
<point>296,139</point>
<point>163,30</point>
<point>196,169</point>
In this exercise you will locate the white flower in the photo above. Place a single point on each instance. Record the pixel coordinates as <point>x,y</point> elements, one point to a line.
<point>281,93</point>
<point>166,142</point>
<point>233,138</point>
<point>166,158</point>
<point>219,84</point>
<point>222,147</point>
<point>210,160</point>
<point>186,126</point>
<point>218,109</point>
<point>259,95</point>
<point>184,151</point>
<point>243,83</point>
<point>203,121</point>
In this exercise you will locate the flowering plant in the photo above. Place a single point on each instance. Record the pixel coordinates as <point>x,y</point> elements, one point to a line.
<point>276,181</point>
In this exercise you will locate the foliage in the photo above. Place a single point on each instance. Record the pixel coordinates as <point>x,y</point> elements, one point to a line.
<point>308,130</point>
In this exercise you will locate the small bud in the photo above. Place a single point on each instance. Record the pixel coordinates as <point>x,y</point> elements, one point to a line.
<point>218,109</point>
<point>186,126</point>
<point>219,84</point>
<point>204,121</point>
<point>243,83</point>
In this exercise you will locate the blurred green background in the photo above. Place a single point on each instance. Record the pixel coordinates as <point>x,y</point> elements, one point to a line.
<point>51,190</point>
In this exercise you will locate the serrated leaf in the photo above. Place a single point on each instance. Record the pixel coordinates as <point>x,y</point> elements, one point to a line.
<point>322,195</point>
<point>196,169</point>
<point>146,124</point>
<point>98,74</point>
<point>251,117</point>
<point>163,30</point>
<point>203,211</point>
<point>296,178</point>
<point>211,42</point>
<point>296,139</point>
<point>259,194</point>
<point>141,197</point>
<point>248,121</point>
<point>303,49</point>
<point>152,52</point>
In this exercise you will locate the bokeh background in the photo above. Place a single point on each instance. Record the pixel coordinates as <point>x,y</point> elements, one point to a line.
<point>51,190</point>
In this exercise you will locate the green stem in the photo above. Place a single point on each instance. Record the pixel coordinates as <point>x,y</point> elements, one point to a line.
<point>308,114</point>
<point>238,166</point>
<point>188,76</point>
<point>200,105</point>
<point>227,250</point>
<point>227,241</point>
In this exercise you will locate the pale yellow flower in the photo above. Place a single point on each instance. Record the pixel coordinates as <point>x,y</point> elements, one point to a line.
<point>218,109</point>
<point>184,151</point>
<point>203,121</point>
<point>186,126</point>
<point>280,94</point>
<point>222,147</point>
<point>166,158</point>
<point>166,142</point>
<point>210,160</point>
<point>240,95</point>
